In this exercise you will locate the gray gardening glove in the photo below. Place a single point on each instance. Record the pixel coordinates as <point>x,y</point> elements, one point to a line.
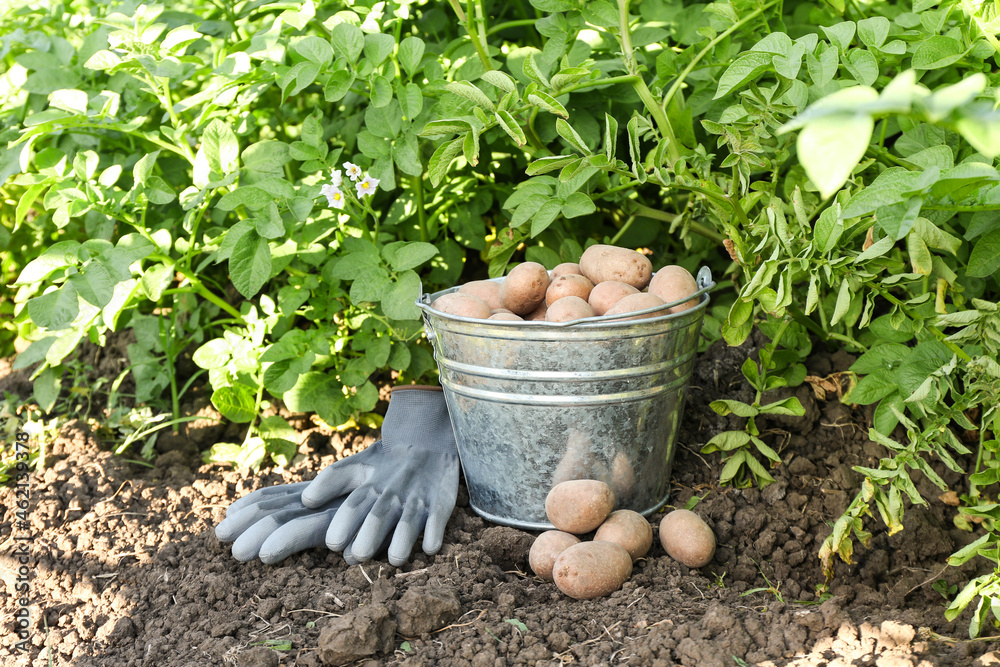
<point>404,484</point>
<point>272,523</point>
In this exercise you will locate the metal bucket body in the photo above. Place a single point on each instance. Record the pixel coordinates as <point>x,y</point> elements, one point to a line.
<point>538,403</point>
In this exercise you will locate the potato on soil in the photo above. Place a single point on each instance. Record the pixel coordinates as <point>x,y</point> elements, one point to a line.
<point>462,305</point>
<point>634,302</point>
<point>605,262</point>
<point>546,548</point>
<point>606,294</point>
<point>567,309</point>
<point>487,290</point>
<point>566,268</point>
<point>672,283</point>
<point>569,285</point>
<point>579,506</point>
<point>687,538</point>
<point>628,529</point>
<point>506,317</point>
<point>524,288</point>
<point>591,569</point>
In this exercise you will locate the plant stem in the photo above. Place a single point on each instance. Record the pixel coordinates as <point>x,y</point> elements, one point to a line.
<point>711,45</point>
<point>207,294</point>
<point>510,24</point>
<point>650,102</point>
<point>624,228</point>
<point>417,183</point>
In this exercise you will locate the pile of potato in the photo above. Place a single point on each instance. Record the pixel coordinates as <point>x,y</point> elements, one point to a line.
<point>587,570</point>
<point>607,281</point>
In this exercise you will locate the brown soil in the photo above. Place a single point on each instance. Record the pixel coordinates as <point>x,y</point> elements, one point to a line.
<point>127,571</point>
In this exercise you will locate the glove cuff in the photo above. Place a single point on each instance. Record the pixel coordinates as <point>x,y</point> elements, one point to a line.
<point>418,417</point>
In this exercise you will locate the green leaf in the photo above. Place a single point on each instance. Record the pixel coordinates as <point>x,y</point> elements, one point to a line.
<point>95,283</point>
<point>236,403</point>
<point>862,65</point>
<point>829,228</point>
<point>831,147</point>
<point>787,406</point>
<point>399,303</point>
<point>412,255</point>
<point>985,258</point>
<point>378,47</point>
<point>550,163</point>
<point>937,52</point>
<point>470,147</point>
<point>248,195</point>
<point>441,128</point>
<point>315,49</point>
<point>840,34</point>
<point>511,127</point>
<point>884,356</point>
<point>732,466</point>
<point>873,31</point>
<point>635,149</point>
<point>747,66</point>
<point>545,216</point>
<point>872,388</point>
<point>471,93</point>
<point>442,158</point>
<point>610,136</point>
<point>725,407</point>
<point>250,263</point>
<point>726,441</point>
<point>213,354</point>
<point>501,80</point>
<point>566,131</point>
<point>381,91</point>
<point>348,40</point>
<point>46,387</point>
<point>547,102</point>
<point>531,70</point>
<point>55,309</point>
<point>411,52</point>
<point>578,204</point>
<point>338,85</point>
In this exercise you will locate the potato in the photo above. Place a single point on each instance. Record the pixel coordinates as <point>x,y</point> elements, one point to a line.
<point>546,548</point>
<point>506,317</point>
<point>605,262</point>
<point>591,569</point>
<point>606,294</point>
<point>524,288</point>
<point>673,283</point>
<point>487,290</point>
<point>538,314</point>
<point>640,301</point>
<point>628,529</point>
<point>569,285</point>
<point>462,305</point>
<point>687,539</point>
<point>567,309</point>
<point>565,269</point>
<point>494,311</point>
<point>579,506</point>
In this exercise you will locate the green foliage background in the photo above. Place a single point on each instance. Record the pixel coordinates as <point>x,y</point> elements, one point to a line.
<point>833,162</point>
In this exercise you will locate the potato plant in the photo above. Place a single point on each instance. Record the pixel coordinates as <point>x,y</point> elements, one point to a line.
<point>170,170</point>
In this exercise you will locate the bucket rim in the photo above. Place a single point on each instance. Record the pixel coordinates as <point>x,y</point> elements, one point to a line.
<point>703,279</point>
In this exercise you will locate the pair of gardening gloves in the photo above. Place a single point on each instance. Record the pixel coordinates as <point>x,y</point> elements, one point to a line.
<point>382,497</point>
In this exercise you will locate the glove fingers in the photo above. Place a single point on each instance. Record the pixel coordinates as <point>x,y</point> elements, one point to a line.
<point>265,493</point>
<point>305,531</point>
<point>437,518</point>
<point>351,559</point>
<point>247,545</point>
<point>337,479</point>
<point>349,518</point>
<point>236,523</point>
<point>377,526</point>
<point>407,530</point>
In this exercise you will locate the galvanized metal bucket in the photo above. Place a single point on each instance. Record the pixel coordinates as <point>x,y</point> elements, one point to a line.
<point>538,403</point>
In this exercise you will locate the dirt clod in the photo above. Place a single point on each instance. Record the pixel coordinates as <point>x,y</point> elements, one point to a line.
<point>424,610</point>
<point>365,632</point>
